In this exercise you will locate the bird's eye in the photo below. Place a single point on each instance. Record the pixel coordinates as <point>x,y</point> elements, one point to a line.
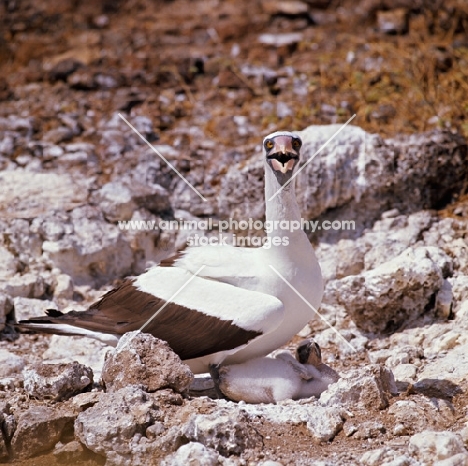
<point>269,144</point>
<point>296,144</point>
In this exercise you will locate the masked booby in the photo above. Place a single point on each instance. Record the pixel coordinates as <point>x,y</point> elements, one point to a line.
<point>217,304</point>
<point>282,377</point>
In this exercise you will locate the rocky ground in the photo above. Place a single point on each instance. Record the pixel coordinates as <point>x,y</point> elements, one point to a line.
<point>204,82</point>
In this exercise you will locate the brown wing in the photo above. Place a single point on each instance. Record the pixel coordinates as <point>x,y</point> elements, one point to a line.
<point>189,332</point>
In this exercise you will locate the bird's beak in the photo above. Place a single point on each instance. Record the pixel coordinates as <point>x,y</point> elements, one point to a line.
<point>283,168</point>
<point>308,352</point>
<point>283,158</point>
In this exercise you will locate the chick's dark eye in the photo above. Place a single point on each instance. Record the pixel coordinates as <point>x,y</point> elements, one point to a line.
<point>269,144</point>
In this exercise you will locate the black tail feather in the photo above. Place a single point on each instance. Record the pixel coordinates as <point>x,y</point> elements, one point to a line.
<point>36,320</point>
<point>54,313</point>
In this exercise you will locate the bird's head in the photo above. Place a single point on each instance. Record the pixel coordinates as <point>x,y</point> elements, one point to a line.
<point>282,150</point>
<point>308,352</point>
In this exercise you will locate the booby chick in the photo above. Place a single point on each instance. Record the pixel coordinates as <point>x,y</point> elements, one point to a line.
<point>217,304</point>
<point>282,377</point>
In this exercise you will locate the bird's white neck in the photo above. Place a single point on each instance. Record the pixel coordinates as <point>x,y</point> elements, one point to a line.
<point>282,207</point>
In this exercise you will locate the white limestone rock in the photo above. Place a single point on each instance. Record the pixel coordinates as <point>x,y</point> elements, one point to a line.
<point>196,453</point>
<point>379,356</point>
<point>387,457</point>
<point>87,351</point>
<point>145,194</point>
<point>9,264</point>
<point>28,308</point>
<point>241,194</point>
<point>51,151</point>
<point>367,388</point>
<point>108,427</point>
<point>21,242</point>
<point>430,447</point>
<point>460,299</point>
<point>449,234</point>
<point>63,288</point>
<point>117,137</point>
<point>28,285</point>
<point>389,236</point>
<point>27,195</point>
<point>226,431</point>
<point>142,359</point>
<point>10,363</point>
<point>57,381</point>
<point>451,365</point>
<point>52,227</point>
<point>323,422</point>
<point>39,429</point>
<point>368,430</point>
<point>419,412</point>
<point>94,252</point>
<point>116,201</point>
<point>443,342</point>
<point>437,388</point>
<point>405,372</point>
<point>404,354</point>
<point>22,126</point>
<point>461,316</point>
<point>459,288</point>
<point>392,294</point>
<point>344,159</point>
<point>7,144</point>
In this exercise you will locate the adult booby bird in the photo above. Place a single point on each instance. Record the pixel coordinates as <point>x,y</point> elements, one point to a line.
<point>282,377</point>
<point>217,304</point>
